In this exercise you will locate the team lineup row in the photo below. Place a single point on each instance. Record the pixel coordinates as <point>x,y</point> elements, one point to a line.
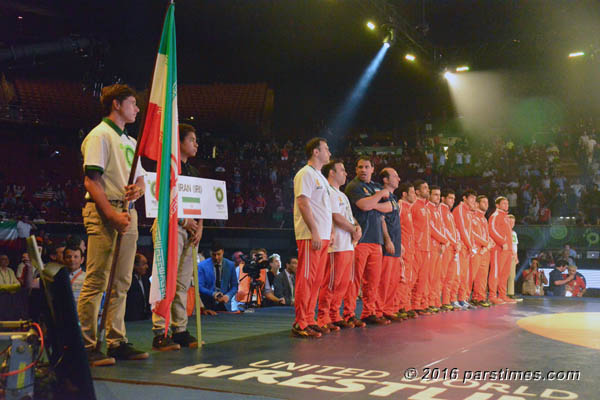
<point>414,254</point>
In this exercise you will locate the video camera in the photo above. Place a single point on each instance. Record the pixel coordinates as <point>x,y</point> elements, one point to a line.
<point>253,265</point>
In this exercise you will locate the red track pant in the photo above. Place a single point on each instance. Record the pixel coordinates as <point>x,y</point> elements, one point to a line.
<point>367,271</point>
<point>499,272</point>
<point>474,264</point>
<point>311,265</point>
<point>336,280</point>
<point>404,292</point>
<point>481,277</point>
<point>386,295</point>
<point>421,288</point>
<point>464,258</point>
<point>434,294</point>
<point>449,275</point>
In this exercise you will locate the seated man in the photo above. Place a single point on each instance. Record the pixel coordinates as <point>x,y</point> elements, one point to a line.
<point>217,280</point>
<point>73,257</point>
<point>8,279</point>
<point>268,297</point>
<point>285,282</point>
<point>577,287</point>
<point>557,281</point>
<point>137,307</point>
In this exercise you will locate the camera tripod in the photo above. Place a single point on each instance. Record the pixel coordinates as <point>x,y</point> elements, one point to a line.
<point>255,289</point>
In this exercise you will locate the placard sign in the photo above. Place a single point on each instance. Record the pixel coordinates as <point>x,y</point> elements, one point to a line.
<point>198,198</point>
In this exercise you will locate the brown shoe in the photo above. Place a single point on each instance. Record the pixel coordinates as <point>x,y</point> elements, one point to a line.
<point>333,327</point>
<point>344,324</point>
<point>305,333</point>
<point>322,329</point>
<point>357,322</point>
<point>375,320</point>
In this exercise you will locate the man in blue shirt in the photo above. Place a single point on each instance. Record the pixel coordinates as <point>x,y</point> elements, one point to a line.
<point>217,280</point>
<point>557,282</point>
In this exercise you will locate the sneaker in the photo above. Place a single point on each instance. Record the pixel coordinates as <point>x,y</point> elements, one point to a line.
<point>423,312</point>
<point>333,327</point>
<point>508,300</point>
<point>474,303</point>
<point>447,307</point>
<point>412,314</point>
<point>375,320</point>
<point>496,301</point>
<point>343,324</point>
<point>465,305</point>
<point>126,351</point>
<point>433,309</point>
<point>164,343</point>
<point>484,303</point>
<point>321,329</point>
<point>403,315</point>
<point>357,322</point>
<point>184,339</point>
<point>516,298</point>
<point>98,359</point>
<point>392,318</point>
<point>305,333</point>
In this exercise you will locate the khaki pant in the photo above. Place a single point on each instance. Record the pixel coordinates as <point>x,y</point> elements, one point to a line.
<point>101,247</point>
<point>511,278</point>
<point>185,270</point>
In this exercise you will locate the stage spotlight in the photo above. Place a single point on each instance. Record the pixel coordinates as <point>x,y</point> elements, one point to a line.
<point>463,68</point>
<point>371,25</point>
<point>576,54</point>
<point>447,75</point>
<point>390,38</point>
<point>410,57</point>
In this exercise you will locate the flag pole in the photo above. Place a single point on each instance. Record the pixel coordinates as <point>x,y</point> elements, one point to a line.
<point>113,267</point>
<point>197,297</point>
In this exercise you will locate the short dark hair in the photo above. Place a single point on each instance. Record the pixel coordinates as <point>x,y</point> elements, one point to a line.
<point>500,198</point>
<point>364,158</point>
<point>216,246</point>
<point>481,197</point>
<point>329,166</point>
<point>418,183</point>
<point>117,92</point>
<point>138,259</point>
<point>313,144</point>
<point>258,250</point>
<point>289,259</point>
<point>184,130</point>
<point>562,263</point>
<point>53,248</point>
<point>404,188</point>
<point>469,192</point>
<point>434,187</point>
<point>73,248</point>
<point>448,191</point>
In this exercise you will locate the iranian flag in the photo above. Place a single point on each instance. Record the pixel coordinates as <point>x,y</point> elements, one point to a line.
<point>160,142</point>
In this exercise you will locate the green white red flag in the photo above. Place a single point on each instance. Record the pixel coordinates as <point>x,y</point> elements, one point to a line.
<point>160,142</point>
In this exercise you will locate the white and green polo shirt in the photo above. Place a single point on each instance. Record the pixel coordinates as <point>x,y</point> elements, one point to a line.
<point>109,150</point>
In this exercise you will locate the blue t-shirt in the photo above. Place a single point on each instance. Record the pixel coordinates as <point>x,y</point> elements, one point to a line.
<point>557,290</point>
<point>369,221</point>
<point>392,221</point>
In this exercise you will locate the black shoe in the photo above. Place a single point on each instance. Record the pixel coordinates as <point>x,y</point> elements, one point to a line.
<point>126,351</point>
<point>185,339</point>
<point>98,359</point>
<point>164,343</point>
<point>357,322</point>
<point>305,333</point>
<point>375,320</point>
<point>344,324</point>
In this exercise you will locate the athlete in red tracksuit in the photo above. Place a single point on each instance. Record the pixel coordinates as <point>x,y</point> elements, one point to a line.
<point>341,253</point>
<point>408,276</point>
<point>312,227</point>
<point>422,226</point>
<point>481,275</point>
<point>501,254</point>
<point>438,245</point>
<point>463,218</point>
<point>480,242</point>
<point>449,276</point>
<point>392,250</point>
<point>365,198</point>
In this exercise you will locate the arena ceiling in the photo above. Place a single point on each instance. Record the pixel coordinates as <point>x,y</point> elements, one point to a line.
<point>309,51</point>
